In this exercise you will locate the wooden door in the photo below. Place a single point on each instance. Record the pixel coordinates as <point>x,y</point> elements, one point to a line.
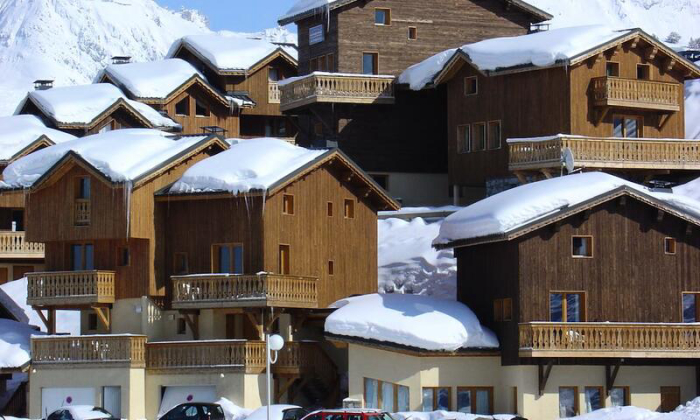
<point>670,398</point>
<point>4,274</point>
<point>284,259</point>
<point>20,271</point>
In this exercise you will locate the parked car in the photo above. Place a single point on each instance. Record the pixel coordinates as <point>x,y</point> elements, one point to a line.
<point>278,412</point>
<point>80,412</point>
<point>194,411</point>
<point>349,414</point>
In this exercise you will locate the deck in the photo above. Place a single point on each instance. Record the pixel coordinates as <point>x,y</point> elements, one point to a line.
<point>70,289</point>
<point>640,94</point>
<point>13,245</point>
<point>113,350</point>
<point>336,88</point>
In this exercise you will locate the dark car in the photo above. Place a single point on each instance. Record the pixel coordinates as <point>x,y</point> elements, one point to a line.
<point>81,412</point>
<point>195,411</point>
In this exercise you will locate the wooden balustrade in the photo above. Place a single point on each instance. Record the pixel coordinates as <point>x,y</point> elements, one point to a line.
<point>337,88</point>
<point>129,350</point>
<point>231,290</point>
<point>273,93</point>
<point>549,339</point>
<point>634,93</point>
<point>70,288</point>
<point>82,212</point>
<point>596,152</point>
<point>13,245</point>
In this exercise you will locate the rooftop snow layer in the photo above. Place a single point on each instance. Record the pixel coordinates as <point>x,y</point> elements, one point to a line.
<point>228,51</point>
<point>539,49</point>
<point>121,155</point>
<point>153,79</point>
<point>303,6</point>
<point>410,320</point>
<point>255,164</point>
<point>511,209</point>
<point>82,104</point>
<point>15,340</point>
<point>20,131</point>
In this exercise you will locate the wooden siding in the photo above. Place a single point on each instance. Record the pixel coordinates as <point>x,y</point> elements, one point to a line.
<point>328,46</point>
<point>256,84</point>
<point>220,115</point>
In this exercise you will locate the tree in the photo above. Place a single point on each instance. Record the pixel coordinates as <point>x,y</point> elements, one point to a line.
<point>694,44</point>
<point>673,38</point>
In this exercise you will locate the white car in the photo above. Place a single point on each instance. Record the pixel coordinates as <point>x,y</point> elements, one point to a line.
<point>80,412</point>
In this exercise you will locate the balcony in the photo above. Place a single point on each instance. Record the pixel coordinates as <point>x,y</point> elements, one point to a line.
<point>615,340</point>
<point>70,288</point>
<point>597,152</point>
<point>273,93</point>
<point>112,350</point>
<point>13,245</point>
<point>641,94</point>
<point>202,291</point>
<point>336,88</point>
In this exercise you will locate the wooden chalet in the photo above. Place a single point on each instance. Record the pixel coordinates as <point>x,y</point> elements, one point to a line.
<point>614,104</point>
<point>350,54</point>
<point>247,70</point>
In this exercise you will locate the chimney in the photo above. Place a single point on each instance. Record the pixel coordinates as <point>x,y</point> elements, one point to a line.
<point>121,59</point>
<point>43,84</point>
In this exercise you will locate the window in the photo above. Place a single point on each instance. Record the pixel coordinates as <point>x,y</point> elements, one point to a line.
<point>228,258</point>
<point>385,395</point>
<point>349,209</point>
<point>436,399</point>
<point>582,246</point>
<point>503,309</point>
<point>612,69</point>
<point>181,265</point>
<point>82,257</point>
<point>669,246</point>
<point>595,400</point>
<point>273,75</point>
<point>371,393</point>
<point>691,307</point>
<point>201,109</point>
<point>329,209</point>
<point>619,396</point>
<point>183,107</point>
<point>475,400</point>
<point>316,34</point>
<point>494,135</point>
<point>568,402</point>
<point>628,127</point>
<point>382,16</point>
<point>181,326</point>
<point>567,307</point>
<point>82,191</point>
<point>412,33</point>
<point>92,321</point>
<point>643,72</point>
<point>288,204</point>
<point>471,85</point>
<point>464,139</point>
<point>123,256</point>
<point>284,259</point>
<point>370,63</point>
<point>331,268</point>
<point>480,136</point>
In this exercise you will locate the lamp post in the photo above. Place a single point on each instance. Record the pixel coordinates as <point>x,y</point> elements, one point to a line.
<point>273,343</point>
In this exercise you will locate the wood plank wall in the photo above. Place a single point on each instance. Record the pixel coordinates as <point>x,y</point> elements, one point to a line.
<point>220,115</point>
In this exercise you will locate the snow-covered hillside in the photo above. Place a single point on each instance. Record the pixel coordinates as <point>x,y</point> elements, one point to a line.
<point>692,109</point>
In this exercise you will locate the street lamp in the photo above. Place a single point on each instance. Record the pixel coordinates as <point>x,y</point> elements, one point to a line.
<point>274,343</point>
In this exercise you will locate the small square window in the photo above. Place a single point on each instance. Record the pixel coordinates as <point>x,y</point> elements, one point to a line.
<point>331,268</point>
<point>201,109</point>
<point>670,246</point>
<point>316,34</point>
<point>382,16</point>
<point>643,72</point>
<point>288,204</point>
<point>412,33</point>
<point>582,246</point>
<point>612,69</point>
<point>471,85</point>
<point>92,322</point>
<point>181,326</point>
<point>349,209</point>
<point>329,209</point>
<point>370,63</point>
<point>123,256</point>
<point>183,107</point>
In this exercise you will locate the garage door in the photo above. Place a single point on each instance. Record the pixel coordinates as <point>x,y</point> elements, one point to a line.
<point>54,398</point>
<point>175,395</point>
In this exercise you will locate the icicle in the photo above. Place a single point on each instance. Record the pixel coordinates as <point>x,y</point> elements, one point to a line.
<point>127,188</point>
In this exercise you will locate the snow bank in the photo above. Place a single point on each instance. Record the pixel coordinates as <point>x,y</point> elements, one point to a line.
<point>421,74</point>
<point>153,79</point>
<point>15,338</point>
<point>447,415</point>
<point>232,411</point>
<point>408,263</point>
<point>689,411</point>
<point>121,155</point>
<point>19,131</point>
<point>410,320</point>
<point>254,164</point>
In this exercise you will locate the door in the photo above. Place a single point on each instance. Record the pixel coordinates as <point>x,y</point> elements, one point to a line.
<point>20,271</point>
<point>284,259</point>
<point>4,275</point>
<point>112,400</point>
<point>54,398</point>
<point>670,398</point>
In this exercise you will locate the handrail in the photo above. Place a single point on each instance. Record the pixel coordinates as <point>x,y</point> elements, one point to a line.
<point>273,93</point>
<point>356,88</point>
<point>70,287</point>
<point>637,93</point>
<point>15,243</point>
<point>82,212</point>
<point>110,349</point>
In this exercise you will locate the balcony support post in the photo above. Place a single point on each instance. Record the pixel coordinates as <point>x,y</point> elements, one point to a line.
<point>543,375</point>
<point>50,321</point>
<point>104,315</point>
<point>192,320</point>
<point>522,178</point>
<point>611,375</point>
<point>601,115</point>
<point>257,323</point>
<point>663,119</point>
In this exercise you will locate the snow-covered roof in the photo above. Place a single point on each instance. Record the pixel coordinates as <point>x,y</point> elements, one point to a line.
<point>513,209</point>
<point>15,340</point>
<point>229,51</point>
<point>20,131</point>
<point>120,155</point>
<point>415,321</point>
<point>81,105</point>
<point>152,79</point>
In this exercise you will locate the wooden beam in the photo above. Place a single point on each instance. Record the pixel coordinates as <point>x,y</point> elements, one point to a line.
<point>348,176</point>
<point>273,318</point>
<point>595,59</point>
<point>601,115</point>
<point>663,119</point>
<point>298,321</point>
<point>521,177</point>
<point>587,214</point>
<point>104,315</point>
<point>634,43</point>
<point>660,215</point>
<point>651,52</point>
<point>44,320</point>
<point>610,375</point>
<point>616,50</point>
<point>192,320</point>
<point>543,375</point>
<point>257,323</point>
<point>557,226</point>
<point>670,64</point>
<point>547,172</point>
<point>281,390</point>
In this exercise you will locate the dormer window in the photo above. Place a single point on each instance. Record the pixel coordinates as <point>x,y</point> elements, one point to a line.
<point>201,109</point>
<point>316,34</point>
<point>273,75</point>
<point>612,69</point>
<point>183,107</point>
<point>81,207</point>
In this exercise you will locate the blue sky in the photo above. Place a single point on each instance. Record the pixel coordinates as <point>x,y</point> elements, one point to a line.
<point>237,15</point>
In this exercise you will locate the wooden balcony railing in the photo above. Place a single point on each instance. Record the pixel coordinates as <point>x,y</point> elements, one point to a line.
<point>337,88</point>
<point>596,152</point>
<point>129,350</point>
<point>13,245</point>
<point>633,93</point>
<point>70,288</point>
<point>548,339</point>
<point>82,212</point>
<point>273,93</point>
<point>230,290</point>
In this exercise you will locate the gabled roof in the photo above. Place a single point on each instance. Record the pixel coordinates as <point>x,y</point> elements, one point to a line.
<point>84,106</point>
<point>229,54</point>
<point>524,209</point>
<point>558,47</point>
<point>21,134</point>
<point>306,8</point>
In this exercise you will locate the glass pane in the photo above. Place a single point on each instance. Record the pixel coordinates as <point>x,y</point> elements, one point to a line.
<point>387,397</point>
<point>443,399</point>
<point>567,402</point>
<point>494,136</point>
<point>238,259</point>
<point>631,129</point>
<point>371,393</point>
<point>617,127</point>
<point>555,307</point>
<point>464,401</point>
<point>368,64</point>
<point>617,397</point>
<point>581,247</point>
<point>483,403</point>
<point>404,401</point>
<point>379,17</point>
<point>89,257</point>
<point>573,308</point>
<point>85,185</point>
<point>689,310</point>
<point>593,399</point>
<point>76,257</point>
<point>273,75</point>
<point>481,136</point>
<point>224,259</point>
<point>428,399</point>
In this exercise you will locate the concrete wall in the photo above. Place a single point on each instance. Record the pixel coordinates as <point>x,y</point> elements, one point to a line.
<point>418,189</point>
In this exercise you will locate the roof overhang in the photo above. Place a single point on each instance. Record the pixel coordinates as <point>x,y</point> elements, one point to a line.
<point>409,350</point>
<point>279,52</point>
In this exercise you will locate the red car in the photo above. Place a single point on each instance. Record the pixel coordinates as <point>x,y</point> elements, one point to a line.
<point>349,414</point>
